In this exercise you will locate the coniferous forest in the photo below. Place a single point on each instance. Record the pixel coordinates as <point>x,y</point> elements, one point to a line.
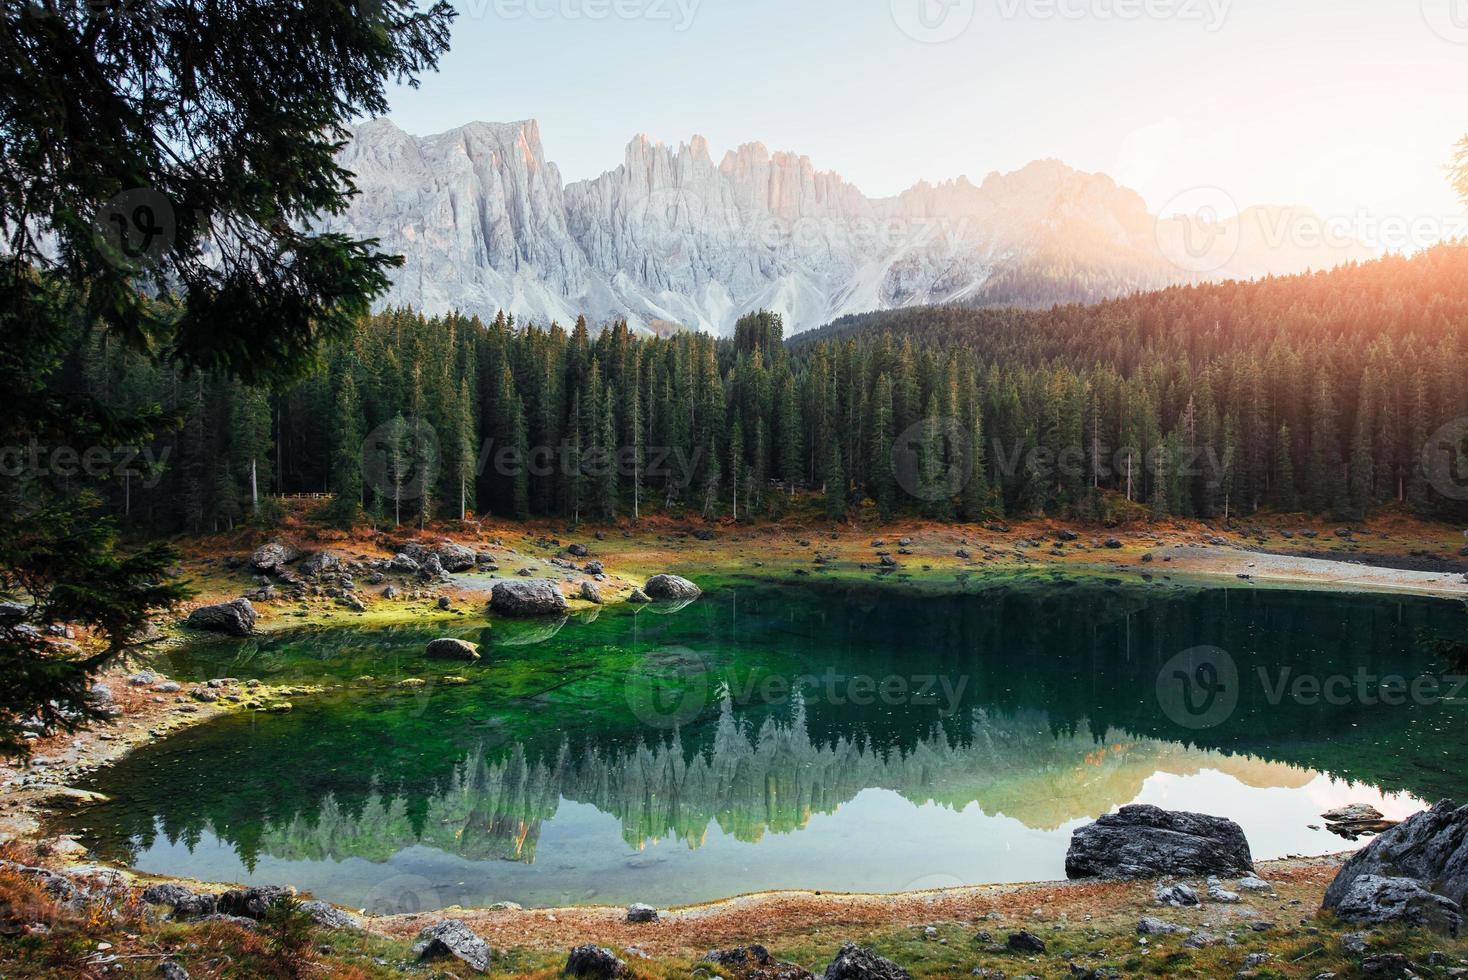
<point>1316,393</point>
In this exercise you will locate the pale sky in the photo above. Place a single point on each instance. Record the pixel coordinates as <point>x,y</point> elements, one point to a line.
<point>1350,107</point>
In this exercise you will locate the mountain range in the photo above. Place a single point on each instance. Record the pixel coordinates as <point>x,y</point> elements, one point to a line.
<point>672,239</point>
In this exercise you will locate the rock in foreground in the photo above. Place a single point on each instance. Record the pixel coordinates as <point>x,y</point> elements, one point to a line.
<point>450,938</point>
<point>531,597</point>
<point>859,963</point>
<point>236,618</point>
<point>1431,848</point>
<point>755,963</point>
<point>671,587</point>
<point>594,963</point>
<point>1374,900</point>
<point>1143,841</point>
<point>451,649</point>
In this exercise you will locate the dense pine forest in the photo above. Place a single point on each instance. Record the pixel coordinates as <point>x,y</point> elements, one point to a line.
<point>1315,393</point>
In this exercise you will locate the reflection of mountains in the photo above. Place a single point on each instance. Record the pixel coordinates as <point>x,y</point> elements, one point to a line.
<point>754,782</point>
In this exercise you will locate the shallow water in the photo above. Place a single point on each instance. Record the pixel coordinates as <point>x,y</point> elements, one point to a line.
<point>836,738</point>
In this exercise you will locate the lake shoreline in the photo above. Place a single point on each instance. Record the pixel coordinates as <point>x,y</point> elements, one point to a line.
<point>932,557</point>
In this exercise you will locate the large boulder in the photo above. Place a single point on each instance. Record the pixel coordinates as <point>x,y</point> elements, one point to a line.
<point>593,963</point>
<point>452,938</point>
<point>1431,848</point>
<point>236,618</point>
<point>1374,900</point>
<point>529,597</point>
<point>1142,841</point>
<point>859,963</point>
<point>671,587</point>
<point>273,556</point>
<point>451,649</point>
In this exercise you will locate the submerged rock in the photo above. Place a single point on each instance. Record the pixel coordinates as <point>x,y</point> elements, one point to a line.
<point>1143,841</point>
<point>594,963</point>
<point>532,597</point>
<point>855,962</point>
<point>671,587</point>
<point>236,618</point>
<point>451,938</point>
<point>448,648</point>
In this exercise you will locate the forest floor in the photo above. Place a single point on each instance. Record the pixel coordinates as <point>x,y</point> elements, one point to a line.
<point>1092,922</point>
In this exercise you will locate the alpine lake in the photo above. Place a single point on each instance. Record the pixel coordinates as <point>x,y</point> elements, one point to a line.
<point>833,737</point>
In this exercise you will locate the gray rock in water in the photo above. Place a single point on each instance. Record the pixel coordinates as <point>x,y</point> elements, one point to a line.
<point>638,598</point>
<point>594,963</point>
<point>271,557</point>
<point>447,648</point>
<point>236,618</point>
<point>1431,847</point>
<point>855,962</point>
<point>637,912</point>
<point>591,593</point>
<point>1177,896</point>
<point>671,587</point>
<point>532,597</point>
<point>451,938</point>
<point>1374,900</point>
<point>1143,841</point>
<point>330,917</point>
